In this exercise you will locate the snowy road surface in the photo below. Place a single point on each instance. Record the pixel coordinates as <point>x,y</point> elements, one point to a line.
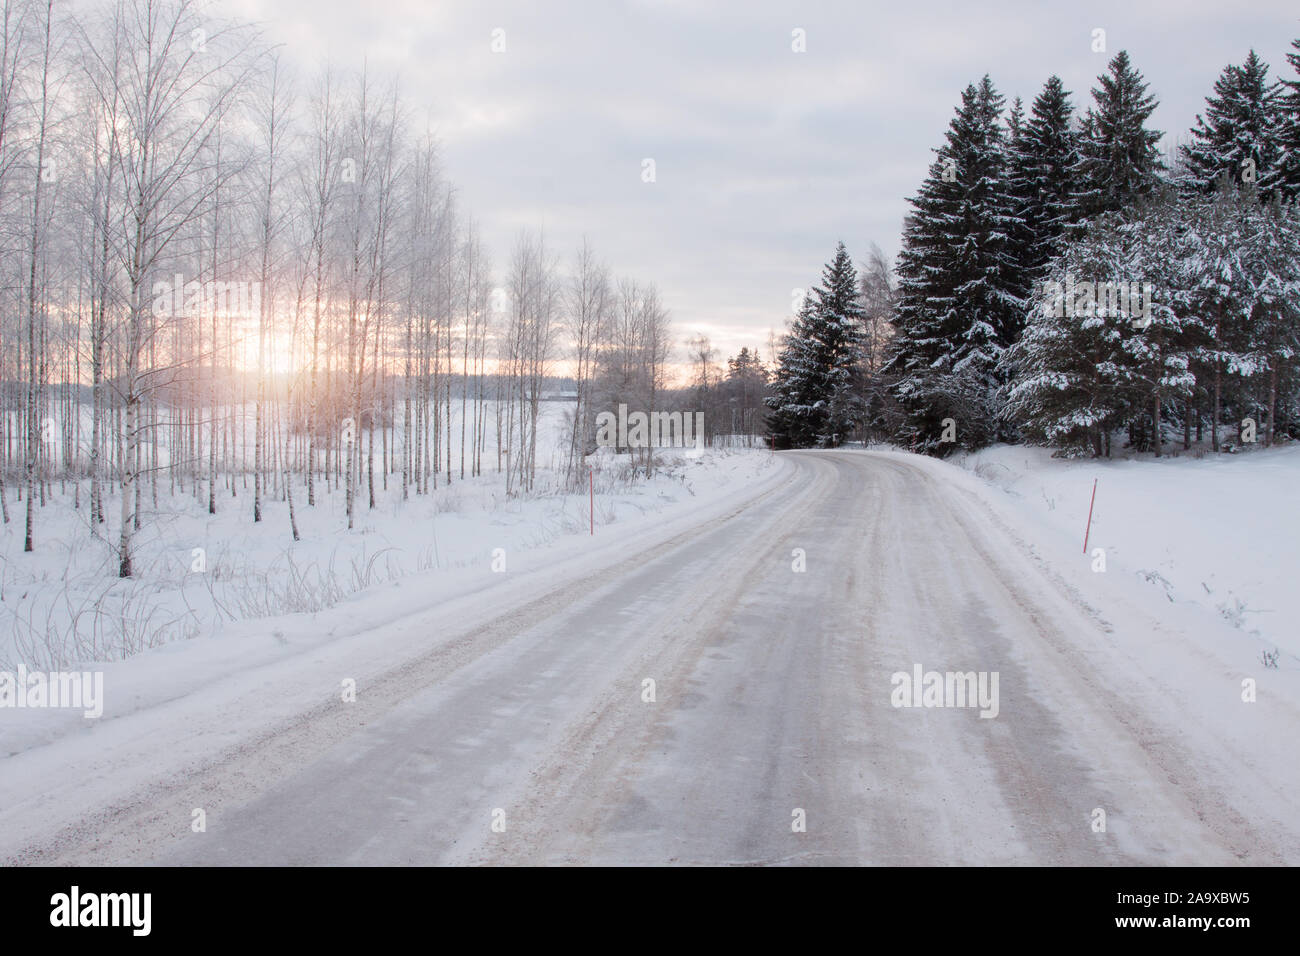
<point>772,695</point>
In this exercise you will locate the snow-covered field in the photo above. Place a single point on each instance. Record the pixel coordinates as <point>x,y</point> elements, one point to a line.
<point>200,575</point>
<point>1216,532</point>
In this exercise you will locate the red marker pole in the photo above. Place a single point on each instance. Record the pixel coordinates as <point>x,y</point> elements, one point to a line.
<point>1088,529</point>
<point>592,475</point>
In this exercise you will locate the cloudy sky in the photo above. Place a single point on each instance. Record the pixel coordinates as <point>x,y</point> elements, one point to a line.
<point>764,157</point>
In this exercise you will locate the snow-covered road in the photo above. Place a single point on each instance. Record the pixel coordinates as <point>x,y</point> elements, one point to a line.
<point>525,734</point>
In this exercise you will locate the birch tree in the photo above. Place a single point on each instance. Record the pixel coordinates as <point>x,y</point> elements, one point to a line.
<point>177,76</point>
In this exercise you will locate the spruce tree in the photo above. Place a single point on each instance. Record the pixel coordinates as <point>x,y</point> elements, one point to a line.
<point>1157,357</point>
<point>1120,159</point>
<point>1272,264</point>
<point>796,414</point>
<point>1284,177</point>
<point>841,322</point>
<point>1238,132</point>
<point>1070,383</point>
<point>1216,288</point>
<point>959,305</point>
<point>1021,241</point>
<point>1049,159</point>
<point>814,400</point>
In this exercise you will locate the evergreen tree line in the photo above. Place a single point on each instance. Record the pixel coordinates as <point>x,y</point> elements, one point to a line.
<point>1060,281</point>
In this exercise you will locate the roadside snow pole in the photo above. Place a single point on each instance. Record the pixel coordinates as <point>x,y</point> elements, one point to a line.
<point>1088,529</point>
<point>592,475</point>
